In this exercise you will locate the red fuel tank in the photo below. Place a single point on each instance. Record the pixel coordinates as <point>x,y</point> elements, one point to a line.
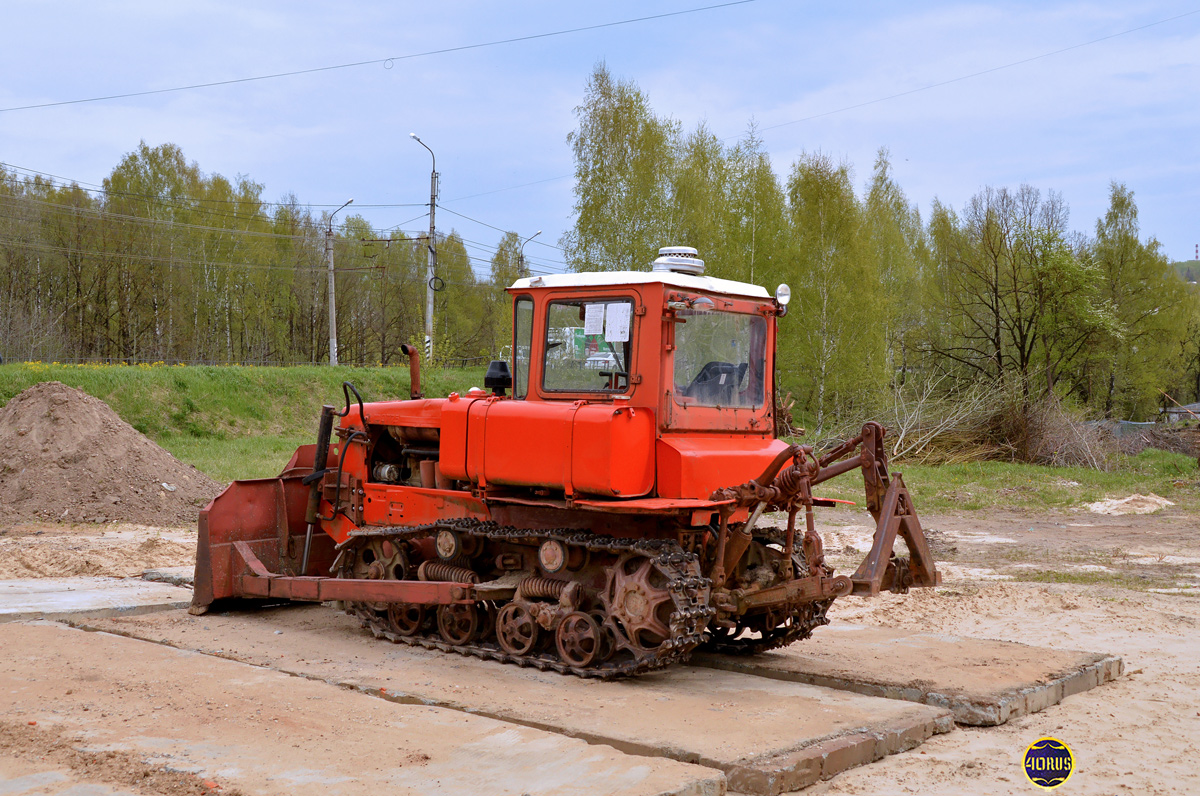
<point>597,449</point>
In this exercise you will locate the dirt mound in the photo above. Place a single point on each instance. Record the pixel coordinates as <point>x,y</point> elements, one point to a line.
<point>67,456</point>
<point>1134,504</point>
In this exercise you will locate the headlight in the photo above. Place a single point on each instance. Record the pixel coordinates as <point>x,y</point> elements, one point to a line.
<point>783,294</point>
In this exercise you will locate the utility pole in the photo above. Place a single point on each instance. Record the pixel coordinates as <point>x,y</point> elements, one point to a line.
<point>432,244</point>
<point>521,272</point>
<point>333,348</point>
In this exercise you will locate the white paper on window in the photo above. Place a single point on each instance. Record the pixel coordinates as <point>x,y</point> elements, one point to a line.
<point>616,326</point>
<point>593,319</point>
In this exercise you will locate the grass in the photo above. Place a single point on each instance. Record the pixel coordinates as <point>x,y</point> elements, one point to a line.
<point>227,402</point>
<point>974,486</point>
<point>244,422</point>
<point>229,421</point>
<point>241,457</point>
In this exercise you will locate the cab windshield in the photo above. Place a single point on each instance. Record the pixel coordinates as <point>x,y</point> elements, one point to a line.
<point>720,359</point>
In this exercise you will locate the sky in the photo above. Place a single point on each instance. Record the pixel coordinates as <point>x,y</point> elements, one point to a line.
<point>1064,96</point>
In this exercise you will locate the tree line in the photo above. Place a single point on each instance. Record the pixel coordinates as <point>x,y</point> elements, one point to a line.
<point>167,263</point>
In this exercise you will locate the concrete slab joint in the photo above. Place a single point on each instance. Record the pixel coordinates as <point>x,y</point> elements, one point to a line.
<point>982,682</point>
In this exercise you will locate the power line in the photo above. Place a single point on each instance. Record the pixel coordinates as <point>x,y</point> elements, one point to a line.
<point>387,62</point>
<point>67,182</point>
<point>510,188</point>
<point>980,73</point>
<point>492,226</point>
<point>494,249</point>
<point>402,223</point>
<point>108,214</point>
<point>150,259</point>
<point>157,201</point>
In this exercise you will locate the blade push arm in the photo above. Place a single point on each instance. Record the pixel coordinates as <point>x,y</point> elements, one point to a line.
<point>788,488</point>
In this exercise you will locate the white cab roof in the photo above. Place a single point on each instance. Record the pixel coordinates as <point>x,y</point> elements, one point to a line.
<point>603,278</point>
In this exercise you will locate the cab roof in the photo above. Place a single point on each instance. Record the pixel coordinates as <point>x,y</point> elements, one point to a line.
<point>606,278</point>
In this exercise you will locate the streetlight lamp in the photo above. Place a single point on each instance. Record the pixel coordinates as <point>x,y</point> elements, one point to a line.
<point>521,254</point>
<point>333,352</point>
<point>433,185</point>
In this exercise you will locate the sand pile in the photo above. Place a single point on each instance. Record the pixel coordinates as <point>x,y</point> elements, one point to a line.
<point>65,455</point>
<point>76,552</point>
<point>1134,504</point>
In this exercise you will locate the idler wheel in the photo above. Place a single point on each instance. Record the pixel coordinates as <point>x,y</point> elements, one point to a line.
<point>405,619</point>
<point>516,630</point>
<point>579,639</point>
<point>458,624</point>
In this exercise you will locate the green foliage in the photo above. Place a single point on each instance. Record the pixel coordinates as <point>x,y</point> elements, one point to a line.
<point>1000,291</point>
<point>174,265</point>
<point>1153,309</point>
<point>991,485</point>
<point>624,159</point>
<point>840,296</point>
<point>895,243</point>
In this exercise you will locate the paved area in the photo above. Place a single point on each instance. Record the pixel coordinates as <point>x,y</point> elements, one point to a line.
<point>92,714</point>
<point>982,682</point>
<point>766,735</point>
<point>58,598</point>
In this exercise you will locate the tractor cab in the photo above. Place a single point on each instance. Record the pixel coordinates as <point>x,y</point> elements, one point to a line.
<point>694,351</point>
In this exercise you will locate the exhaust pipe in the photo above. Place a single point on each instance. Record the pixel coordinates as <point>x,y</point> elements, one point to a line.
<point>414,370</point>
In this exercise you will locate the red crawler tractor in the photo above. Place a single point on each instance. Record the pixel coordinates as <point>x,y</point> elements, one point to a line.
<point>604,519</point>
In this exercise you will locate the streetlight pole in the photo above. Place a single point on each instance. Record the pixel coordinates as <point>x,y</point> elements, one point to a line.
<point>333,348</point>
<point>521,255</point>
<point>432,270</point>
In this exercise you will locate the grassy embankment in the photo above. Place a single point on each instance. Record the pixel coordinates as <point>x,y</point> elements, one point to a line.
<point>244,422</point>
<point>229,421</point>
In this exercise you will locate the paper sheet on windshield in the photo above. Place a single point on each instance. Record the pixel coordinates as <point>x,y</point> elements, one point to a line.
<point>616,326</point>
<point>593,319</point>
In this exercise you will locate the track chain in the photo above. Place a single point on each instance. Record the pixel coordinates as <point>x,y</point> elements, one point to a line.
<point>687,588</point>
<point>806,617</point>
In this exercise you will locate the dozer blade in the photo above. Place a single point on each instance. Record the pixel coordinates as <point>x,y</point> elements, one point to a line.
<point>251,543</point>
<point>267,516</point>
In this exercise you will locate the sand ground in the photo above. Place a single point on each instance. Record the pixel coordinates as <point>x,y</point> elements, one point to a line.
<point>1125,585</point>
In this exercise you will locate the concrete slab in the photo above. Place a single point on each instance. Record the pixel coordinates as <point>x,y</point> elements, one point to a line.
<point>159,711</point>
<point>767,735</point>
<point>982,682</point>
<point>176,576</point>
<point>59,598</point>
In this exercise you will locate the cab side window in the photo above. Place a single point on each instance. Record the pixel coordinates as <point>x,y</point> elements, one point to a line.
<point>522,345</point>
